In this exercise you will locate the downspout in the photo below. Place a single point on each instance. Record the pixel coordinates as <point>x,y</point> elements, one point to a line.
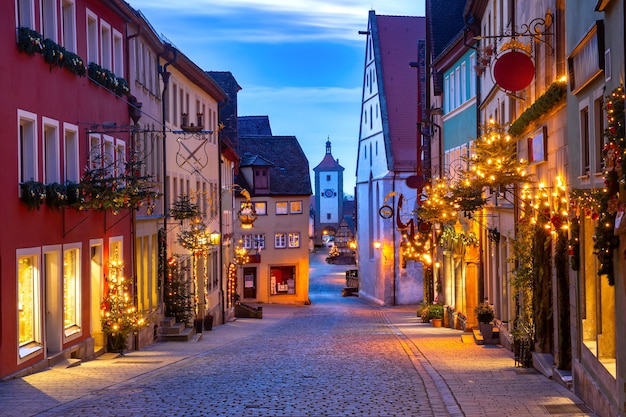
<point>220,220</point>
<point>395,259</point>
<point>166,78</point>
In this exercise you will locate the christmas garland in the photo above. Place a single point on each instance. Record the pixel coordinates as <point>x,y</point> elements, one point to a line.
<point>553,96</point>
<point>602,205</point>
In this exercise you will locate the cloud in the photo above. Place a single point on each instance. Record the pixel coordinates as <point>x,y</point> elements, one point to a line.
<point>274,21</point>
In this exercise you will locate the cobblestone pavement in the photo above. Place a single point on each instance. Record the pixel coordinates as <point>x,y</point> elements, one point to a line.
<point>337,357</point>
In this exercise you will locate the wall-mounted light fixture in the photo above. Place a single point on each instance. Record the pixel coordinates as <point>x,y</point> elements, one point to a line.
<point>377,245</point>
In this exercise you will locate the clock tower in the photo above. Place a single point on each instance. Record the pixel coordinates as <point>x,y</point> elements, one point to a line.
<point>328,195</point>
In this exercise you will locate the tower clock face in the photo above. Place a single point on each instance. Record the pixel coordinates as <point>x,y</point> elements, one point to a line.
<point>329,192</point>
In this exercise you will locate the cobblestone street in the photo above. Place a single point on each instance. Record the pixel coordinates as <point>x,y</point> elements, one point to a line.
<point>340,356</point>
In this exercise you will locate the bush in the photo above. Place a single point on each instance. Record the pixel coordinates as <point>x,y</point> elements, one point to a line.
<point>484,312</point>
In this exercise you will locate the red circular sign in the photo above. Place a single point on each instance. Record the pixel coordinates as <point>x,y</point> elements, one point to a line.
<point>513,71</point>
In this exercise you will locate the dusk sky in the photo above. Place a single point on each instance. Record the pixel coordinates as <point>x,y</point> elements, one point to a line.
<point>300,62</point>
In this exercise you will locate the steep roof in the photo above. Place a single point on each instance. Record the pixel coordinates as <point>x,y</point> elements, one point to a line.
<point>254,125</point>
<point>445,22</point>
<point>329,162</point>
<point>395,40</point>
<point>289,169</point>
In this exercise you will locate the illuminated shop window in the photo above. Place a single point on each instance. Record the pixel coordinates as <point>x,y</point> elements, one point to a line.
<point>282,280</point>
<point>29,304</point>
<point>71,291</point>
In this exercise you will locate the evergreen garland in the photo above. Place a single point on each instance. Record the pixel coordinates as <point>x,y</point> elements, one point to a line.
<point>553,96</point>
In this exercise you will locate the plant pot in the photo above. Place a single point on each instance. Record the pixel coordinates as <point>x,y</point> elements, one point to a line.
<point>436,322</point>
<point>208,322</point>
<point>486,331</point>
<point>198,324</point>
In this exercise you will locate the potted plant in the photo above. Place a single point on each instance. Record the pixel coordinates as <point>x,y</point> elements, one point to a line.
<point>484,315</point>
<point>432,313</point>
<point>436,314</point>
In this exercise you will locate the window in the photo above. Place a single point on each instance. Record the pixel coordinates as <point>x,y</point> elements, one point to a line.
<point>447,94</point>
<point>294,240</point>
<point>281,207</point>
<point>51,153</point>
<point>71,291</point>
<point>472,78</point>
<point>105,46</point>
<point>328,177</point>
<point>246,241</point>
<point>280,240</point>
<point>70,146</point>
<point>452,95</point>
<point>282,280</point>
<point>95,152</point>
<point>599,119</point>
<point>68,25</point>
<point>118,54</point>
<point>329,216</point>
<point>27,146</point>
<point>49,19</point>
<point>25,14</point>
<point>584,140</point>
<point>120,157</point>
<point>463,82</point>
<point>295,207</point>
<point>259,241</point>
<point>108,155</point>
<point>261,179</point>
<point>92,38</point>
<point>253,241</point>
<point>29,299</point>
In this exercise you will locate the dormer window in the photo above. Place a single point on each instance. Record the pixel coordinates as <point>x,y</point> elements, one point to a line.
<point>261,178</point>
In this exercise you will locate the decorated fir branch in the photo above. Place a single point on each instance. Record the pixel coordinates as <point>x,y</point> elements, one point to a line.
<point>120,317</point>
<point>494,162</point>
<point>98,189</point>
<point>602,205</point>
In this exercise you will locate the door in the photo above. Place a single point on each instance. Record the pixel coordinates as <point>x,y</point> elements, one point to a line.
<point>249,283</point>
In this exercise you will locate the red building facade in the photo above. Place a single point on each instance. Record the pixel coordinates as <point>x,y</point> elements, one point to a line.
<point>64,110</point>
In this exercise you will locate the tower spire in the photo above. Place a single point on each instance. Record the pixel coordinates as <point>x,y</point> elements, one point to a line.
<point>328,146</point>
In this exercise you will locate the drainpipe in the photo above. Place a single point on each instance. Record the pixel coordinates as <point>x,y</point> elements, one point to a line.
<point>166,78</point>
<point>220,219</point>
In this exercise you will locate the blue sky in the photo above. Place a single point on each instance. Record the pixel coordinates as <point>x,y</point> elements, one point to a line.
<point>298,61</point>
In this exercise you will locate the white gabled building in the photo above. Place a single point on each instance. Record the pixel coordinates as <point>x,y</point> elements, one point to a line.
<point>387,156</point>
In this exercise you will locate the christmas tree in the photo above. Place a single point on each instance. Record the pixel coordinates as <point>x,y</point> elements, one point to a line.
<point>178,296</point>
<point>120,317</point>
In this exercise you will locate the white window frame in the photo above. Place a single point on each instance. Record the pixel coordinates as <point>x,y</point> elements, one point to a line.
<point>472,80</point>
<point>260,208</point>
<point>68,25</point>
<point>118,53</point>
<point>106,48</point>
<point>35,346</point>
<point>108,154</point>
<point>280,210</point>
<point>259,241</point>
<point>583,105</point>
<point>246,241</point>
<point>25,13</point>
<point>92,33</point>
<point>48,20</point>
<point>71,162</point>
<point>120,157</point>
<point>294,240</point>
<point>95,151</point>
<point>28,151</point>
<point>298,205</point>
<point>280,240</point>
<point>51,148</point>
